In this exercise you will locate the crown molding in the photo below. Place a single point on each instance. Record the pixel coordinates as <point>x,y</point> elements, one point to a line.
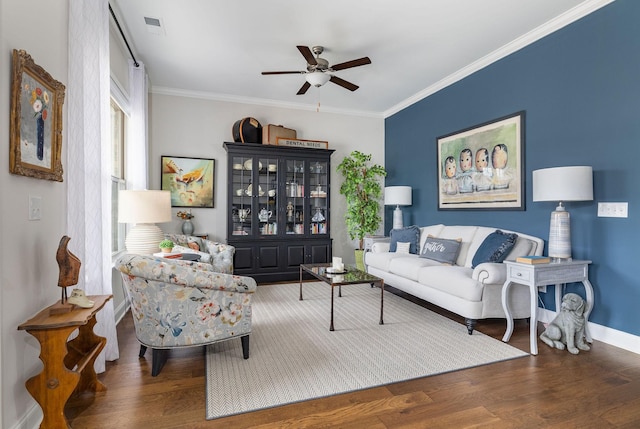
<point>260,102</point>
<point>536,34</point>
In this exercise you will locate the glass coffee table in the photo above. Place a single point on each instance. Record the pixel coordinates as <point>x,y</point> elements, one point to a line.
<point>350,276</point>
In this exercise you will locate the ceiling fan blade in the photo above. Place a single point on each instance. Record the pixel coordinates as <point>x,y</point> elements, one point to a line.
<point>308,55</point>
<point>283,72</point>
<point>303,88</point>
<point>343,83</point>
<point>353,63</point>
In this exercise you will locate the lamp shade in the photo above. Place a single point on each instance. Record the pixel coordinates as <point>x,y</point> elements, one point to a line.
<point>397,196</point>
<point>144,208</point>
<point>317,78</point>
<point>563,184</point>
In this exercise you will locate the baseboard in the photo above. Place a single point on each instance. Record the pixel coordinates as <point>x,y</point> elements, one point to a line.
<point>121,310</point>
<point>31,419</point>
<point>607,335</point>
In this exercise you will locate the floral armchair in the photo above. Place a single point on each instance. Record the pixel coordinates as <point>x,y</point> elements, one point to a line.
<point>217,254</point>
<point>177,303</point>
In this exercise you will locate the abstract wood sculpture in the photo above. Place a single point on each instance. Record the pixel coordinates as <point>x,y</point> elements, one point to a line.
<point>69,265</point>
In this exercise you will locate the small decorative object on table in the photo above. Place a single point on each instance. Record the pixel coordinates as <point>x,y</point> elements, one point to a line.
<point>69,265</point>
<point>187,226</point>
<point>166,246</point>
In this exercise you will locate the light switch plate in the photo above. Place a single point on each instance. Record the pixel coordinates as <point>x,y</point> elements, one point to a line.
<point>35,207</point>
<point>613,210</point>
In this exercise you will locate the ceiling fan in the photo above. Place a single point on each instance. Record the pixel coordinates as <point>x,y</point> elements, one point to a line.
<point>318,69</point>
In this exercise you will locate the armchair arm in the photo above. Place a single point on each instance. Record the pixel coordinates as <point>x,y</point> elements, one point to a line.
<point>183,274</point>
<point>221,256</point>
<point>490,273</point>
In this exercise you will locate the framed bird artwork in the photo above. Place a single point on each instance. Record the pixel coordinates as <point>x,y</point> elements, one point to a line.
<point>190,180</point>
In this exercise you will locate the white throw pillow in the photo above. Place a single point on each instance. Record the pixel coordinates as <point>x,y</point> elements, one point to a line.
<point>403,247</point>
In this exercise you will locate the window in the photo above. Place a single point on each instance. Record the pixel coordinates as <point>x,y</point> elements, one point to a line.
<point>118,128</point>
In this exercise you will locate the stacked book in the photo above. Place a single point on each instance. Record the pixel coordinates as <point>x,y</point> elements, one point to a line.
<point>532,259</point>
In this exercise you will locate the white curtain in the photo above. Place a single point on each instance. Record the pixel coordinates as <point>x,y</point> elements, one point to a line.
<point>88,170</point>
<point>137,141</point>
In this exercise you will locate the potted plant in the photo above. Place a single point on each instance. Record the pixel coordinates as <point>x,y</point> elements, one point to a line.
<point>363,190</point>
<point>166,246</point>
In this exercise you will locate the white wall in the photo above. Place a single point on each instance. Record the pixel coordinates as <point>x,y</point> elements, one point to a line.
<point>192,127</point>
<point>28,268</point>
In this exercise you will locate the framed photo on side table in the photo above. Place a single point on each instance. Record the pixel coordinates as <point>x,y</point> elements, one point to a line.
<point>482,167</point>
<point>190,181</point>
<point>35,142</point>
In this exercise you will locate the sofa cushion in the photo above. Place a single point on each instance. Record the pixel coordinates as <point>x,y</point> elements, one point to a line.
<point>522,247</point>
<point>467,233</point>
<point>382,260</point>
<point>408,266</point>
<point>442,250</point>
<point>410,234</point>
<point>454,280</point>
<point>494,248</point>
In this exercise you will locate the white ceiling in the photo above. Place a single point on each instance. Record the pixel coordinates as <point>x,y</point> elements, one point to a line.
<point>217,49</point>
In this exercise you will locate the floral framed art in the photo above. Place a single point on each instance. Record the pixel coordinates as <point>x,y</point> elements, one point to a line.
<point>190,180</point>
<point>35,143</point>
<point>482,167</point>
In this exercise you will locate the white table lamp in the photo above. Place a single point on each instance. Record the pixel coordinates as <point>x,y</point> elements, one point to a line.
<point>562,184</point>
<point>397,196</point>
<point>144,209</point>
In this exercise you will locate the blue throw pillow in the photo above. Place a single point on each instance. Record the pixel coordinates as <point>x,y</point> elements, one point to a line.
<point>494,248</point>
<point>410,234</point>
<point>441,249</point>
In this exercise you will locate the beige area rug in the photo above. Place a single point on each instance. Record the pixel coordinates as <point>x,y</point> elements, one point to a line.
<point>294,356</point>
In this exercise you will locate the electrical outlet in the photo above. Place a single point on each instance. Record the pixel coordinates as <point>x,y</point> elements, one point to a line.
<point>35,208</point>
<point>613,210</point>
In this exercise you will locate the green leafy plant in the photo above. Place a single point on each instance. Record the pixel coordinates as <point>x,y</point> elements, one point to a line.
<point>363,190</point>
<point>166,244</point>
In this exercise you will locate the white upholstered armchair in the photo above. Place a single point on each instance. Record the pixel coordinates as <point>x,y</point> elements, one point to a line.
<point>178,303</point>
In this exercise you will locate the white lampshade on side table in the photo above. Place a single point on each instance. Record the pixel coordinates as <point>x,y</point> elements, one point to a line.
<point>144,209</point>
<point>397,196</point>
<point>562,184</point>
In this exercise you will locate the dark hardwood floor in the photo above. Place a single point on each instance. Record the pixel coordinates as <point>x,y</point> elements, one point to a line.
<point>595,389</point>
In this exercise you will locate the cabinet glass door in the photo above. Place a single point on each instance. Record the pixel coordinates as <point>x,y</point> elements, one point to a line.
<point>294,193</point>
<point>267,196</point>
<point>242,176</point>
<point>318,207</point>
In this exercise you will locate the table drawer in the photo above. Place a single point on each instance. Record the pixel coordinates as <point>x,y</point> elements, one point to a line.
<point>564,275</point>
<point>517,274</point>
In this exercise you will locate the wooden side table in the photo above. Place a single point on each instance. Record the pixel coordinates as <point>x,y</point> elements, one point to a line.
<point>536,276</point>
<point>68,367</point>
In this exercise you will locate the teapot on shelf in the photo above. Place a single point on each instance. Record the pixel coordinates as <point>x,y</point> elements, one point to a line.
<point>264,215</point>
<point>243,214</point>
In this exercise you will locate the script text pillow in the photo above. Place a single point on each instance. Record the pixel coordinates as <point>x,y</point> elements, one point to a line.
<point>410,234</point>
<point>494,248</point>
<point>441,249</point>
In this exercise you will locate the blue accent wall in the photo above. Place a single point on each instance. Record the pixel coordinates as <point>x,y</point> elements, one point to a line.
<point>580,89</point>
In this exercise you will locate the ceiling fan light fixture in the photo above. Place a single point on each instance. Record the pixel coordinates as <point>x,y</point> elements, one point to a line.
<point>317,78</point>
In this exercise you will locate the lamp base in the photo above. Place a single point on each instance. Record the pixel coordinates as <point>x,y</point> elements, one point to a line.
<point>143,239</point>
<point>397,218</point>
<point>560,235</point>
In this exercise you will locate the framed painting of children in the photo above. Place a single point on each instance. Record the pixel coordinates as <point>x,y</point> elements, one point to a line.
<point>481,167</point>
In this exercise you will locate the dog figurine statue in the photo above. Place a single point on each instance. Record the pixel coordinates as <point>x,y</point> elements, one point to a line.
<point>568,326</point>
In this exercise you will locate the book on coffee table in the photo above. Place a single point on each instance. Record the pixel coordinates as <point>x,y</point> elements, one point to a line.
<point>532,259</point>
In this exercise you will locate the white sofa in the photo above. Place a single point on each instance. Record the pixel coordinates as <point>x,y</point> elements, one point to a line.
<point>473,293</point>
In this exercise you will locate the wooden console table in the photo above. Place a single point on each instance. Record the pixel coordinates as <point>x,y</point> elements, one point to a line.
<point>68,366</point>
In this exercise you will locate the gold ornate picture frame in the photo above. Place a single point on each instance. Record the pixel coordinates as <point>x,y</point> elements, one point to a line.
<point>35,143</point>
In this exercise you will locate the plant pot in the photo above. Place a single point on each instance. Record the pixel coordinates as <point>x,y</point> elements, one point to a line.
<point>360,259</point>
<point>166,249</point>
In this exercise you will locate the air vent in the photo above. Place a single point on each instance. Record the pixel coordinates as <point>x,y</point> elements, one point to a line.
<point>154,25</point>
